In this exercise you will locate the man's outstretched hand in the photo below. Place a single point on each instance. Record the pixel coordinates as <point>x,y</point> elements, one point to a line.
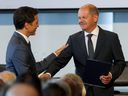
<point>44,76</point>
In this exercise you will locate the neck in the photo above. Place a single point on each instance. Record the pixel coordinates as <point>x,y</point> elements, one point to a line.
<point>91,29</point>
<point>23,32</point>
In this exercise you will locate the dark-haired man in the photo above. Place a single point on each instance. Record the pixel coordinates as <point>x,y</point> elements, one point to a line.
<point>19,57</point>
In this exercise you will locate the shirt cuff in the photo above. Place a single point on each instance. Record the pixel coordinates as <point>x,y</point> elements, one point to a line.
<point>48,74</point>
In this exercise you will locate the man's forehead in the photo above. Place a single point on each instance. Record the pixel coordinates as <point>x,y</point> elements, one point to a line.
<point>83,11</point>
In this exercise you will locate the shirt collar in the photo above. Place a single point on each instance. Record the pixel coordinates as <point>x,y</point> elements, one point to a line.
<point>94,32</point>
<point>25,37</point>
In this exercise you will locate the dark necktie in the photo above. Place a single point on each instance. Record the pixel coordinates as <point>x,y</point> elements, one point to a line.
<point>29,44</point>
<point>90,55</point>
<point>90,47</point>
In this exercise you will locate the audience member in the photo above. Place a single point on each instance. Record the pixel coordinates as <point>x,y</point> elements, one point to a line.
<point>1,83</point>
<point>7,77</point>
<point>56,88</point>
<point>22,89</point>
<point>75,83</point>
<point>30,79</point>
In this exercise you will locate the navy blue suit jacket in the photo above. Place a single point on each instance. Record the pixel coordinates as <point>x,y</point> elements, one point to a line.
<point>20,59</point>
<point>108,49</point>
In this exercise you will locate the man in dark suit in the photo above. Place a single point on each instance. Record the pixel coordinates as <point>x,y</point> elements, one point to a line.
<point>106,47</point>
<point>19,57</point>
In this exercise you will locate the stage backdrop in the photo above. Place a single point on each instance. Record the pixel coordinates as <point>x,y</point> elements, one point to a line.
<point>64,4</point>
<point>53,32</point>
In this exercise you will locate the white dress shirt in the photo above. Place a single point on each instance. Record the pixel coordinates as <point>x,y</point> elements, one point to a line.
<point>94,37</point>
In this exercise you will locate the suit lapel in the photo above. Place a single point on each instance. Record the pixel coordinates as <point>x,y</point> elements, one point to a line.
<point>25,43</point>
<point>82,45</point>
<point>100,42</point>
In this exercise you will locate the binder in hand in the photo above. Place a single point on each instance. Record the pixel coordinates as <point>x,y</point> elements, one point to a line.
<point>93,70</point>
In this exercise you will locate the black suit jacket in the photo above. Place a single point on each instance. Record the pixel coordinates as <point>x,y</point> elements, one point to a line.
<point>108,49</point>
<point>20,59</point>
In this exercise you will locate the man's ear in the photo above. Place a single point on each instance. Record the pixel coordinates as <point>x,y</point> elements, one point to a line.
<point>95,18</point>
<point>26,25</point>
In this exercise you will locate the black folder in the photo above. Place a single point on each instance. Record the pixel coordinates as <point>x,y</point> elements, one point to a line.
<point>93,70</point>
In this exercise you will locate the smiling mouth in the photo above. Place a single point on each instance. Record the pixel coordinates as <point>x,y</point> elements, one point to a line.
<point>82,23</point>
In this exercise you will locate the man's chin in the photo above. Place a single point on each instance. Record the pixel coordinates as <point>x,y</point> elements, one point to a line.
<point>83,29</point>
<point>33,34</point>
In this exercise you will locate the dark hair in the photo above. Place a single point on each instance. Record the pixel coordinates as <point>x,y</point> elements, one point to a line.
<point>56,89</point>
<point>22,15</point>
<point>28,78</point>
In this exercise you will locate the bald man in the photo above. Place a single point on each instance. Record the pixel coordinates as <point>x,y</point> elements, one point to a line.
<point>105,47</point>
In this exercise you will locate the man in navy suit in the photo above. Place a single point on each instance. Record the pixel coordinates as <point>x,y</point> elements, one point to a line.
<point>19,57</point>
<point>106,46</point>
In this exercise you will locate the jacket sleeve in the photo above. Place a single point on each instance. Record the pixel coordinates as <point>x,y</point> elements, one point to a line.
<point>45,63</point>
<point>119,61</point>
<point>61,60</point>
